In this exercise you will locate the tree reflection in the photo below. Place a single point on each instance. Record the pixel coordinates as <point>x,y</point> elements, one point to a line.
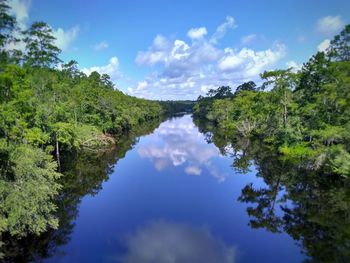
<point>84,174</point>
<point>313,208</point>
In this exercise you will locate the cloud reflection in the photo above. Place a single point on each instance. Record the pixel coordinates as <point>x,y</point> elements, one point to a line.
<point>162,241</point>
<point>177,142</point>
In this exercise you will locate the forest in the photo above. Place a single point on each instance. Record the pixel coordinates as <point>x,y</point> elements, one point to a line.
<point>294,128</point>
<point>303,115</point>
<point>299,122</point>
<point>49,108</point>
<point>312,207</point>
<point>84,173</point>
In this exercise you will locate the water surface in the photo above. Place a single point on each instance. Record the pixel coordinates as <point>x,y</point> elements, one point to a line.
<point>172,198</point>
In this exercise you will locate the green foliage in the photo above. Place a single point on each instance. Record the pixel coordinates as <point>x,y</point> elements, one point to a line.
<point>84,174</point>
<point>64,134</point>
<point>329,134</point>
<point>304,114</point>
<point>340,161</point>
<point>340,48</point>
<point>7,23</point>
<point>41,51</point>
<point>27,190</point>
<point>311,205</point>
<point>90,137</point>
<point>37,137</point>
<point>174,107</point>
<point>247,86</point>
<point>46,112</point>
<point>220,93</point>
<point>312,208</point>
<point>299,151</point>
<point>7,26</point>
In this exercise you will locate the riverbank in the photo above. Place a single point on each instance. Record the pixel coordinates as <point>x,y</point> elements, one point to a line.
<point>248,181</point>
<point>89,137</point>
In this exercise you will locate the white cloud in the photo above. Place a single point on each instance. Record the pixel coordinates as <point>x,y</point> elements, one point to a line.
<point>100,46</point>
<point>161,241</point>
<point>20,8</point>
<point>221,30</point>
<point>293,65</point>
<point>186,70</point>
<point>248,39</point>
<point>329,25</point>
<point>180,50</point>
<point>142,85</point>
<point>197,33</point>
<point>20,45</point>
<point>112,69</point>
<point>322,47</point>
<point>160,42</point>
<point>155,54</point>
<point>193,170</point>
<point>178,143</point>
<point>65,38</point>
<point>250,62</point>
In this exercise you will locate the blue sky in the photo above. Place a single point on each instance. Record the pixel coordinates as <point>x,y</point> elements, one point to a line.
<point>180,49</point>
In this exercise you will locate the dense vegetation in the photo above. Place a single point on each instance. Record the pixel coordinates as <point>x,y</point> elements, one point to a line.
<point>84,173</point>
<point>294,130</point>
<point>313,208</point>
<point>180,106</point>
<point>48,107</point>
<point>305,115</point>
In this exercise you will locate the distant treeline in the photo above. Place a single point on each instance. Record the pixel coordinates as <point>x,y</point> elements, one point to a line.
<point>304,115</point>
<point>179,106</point>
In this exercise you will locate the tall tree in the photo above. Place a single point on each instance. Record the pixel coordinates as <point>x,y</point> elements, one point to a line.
<point>40,48</point>
<point>7,23</point>
<point>221,92</point>
<point>340,45</point>
<point>7,26</point>
<point>250,86</point>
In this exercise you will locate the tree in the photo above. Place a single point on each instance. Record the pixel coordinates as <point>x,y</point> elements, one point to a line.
<point>63,134</point>
<point>339,49</point>
<point>27,187</point>
<point>305,115</point>
<point>282,82</point>
<point>46,112</point>
<point>106,81</point>
<point>314,74</point>
<point>7,23</point>
<point>40,48</point>
<point>7,26</point>
<point>249,86</point>
<point>70,69</point>
<point>220,93</point>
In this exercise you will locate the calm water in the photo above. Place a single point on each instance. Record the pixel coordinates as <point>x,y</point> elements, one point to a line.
<point>172,198</point>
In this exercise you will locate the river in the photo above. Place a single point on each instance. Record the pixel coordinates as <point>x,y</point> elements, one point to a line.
<point>169,196</point>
